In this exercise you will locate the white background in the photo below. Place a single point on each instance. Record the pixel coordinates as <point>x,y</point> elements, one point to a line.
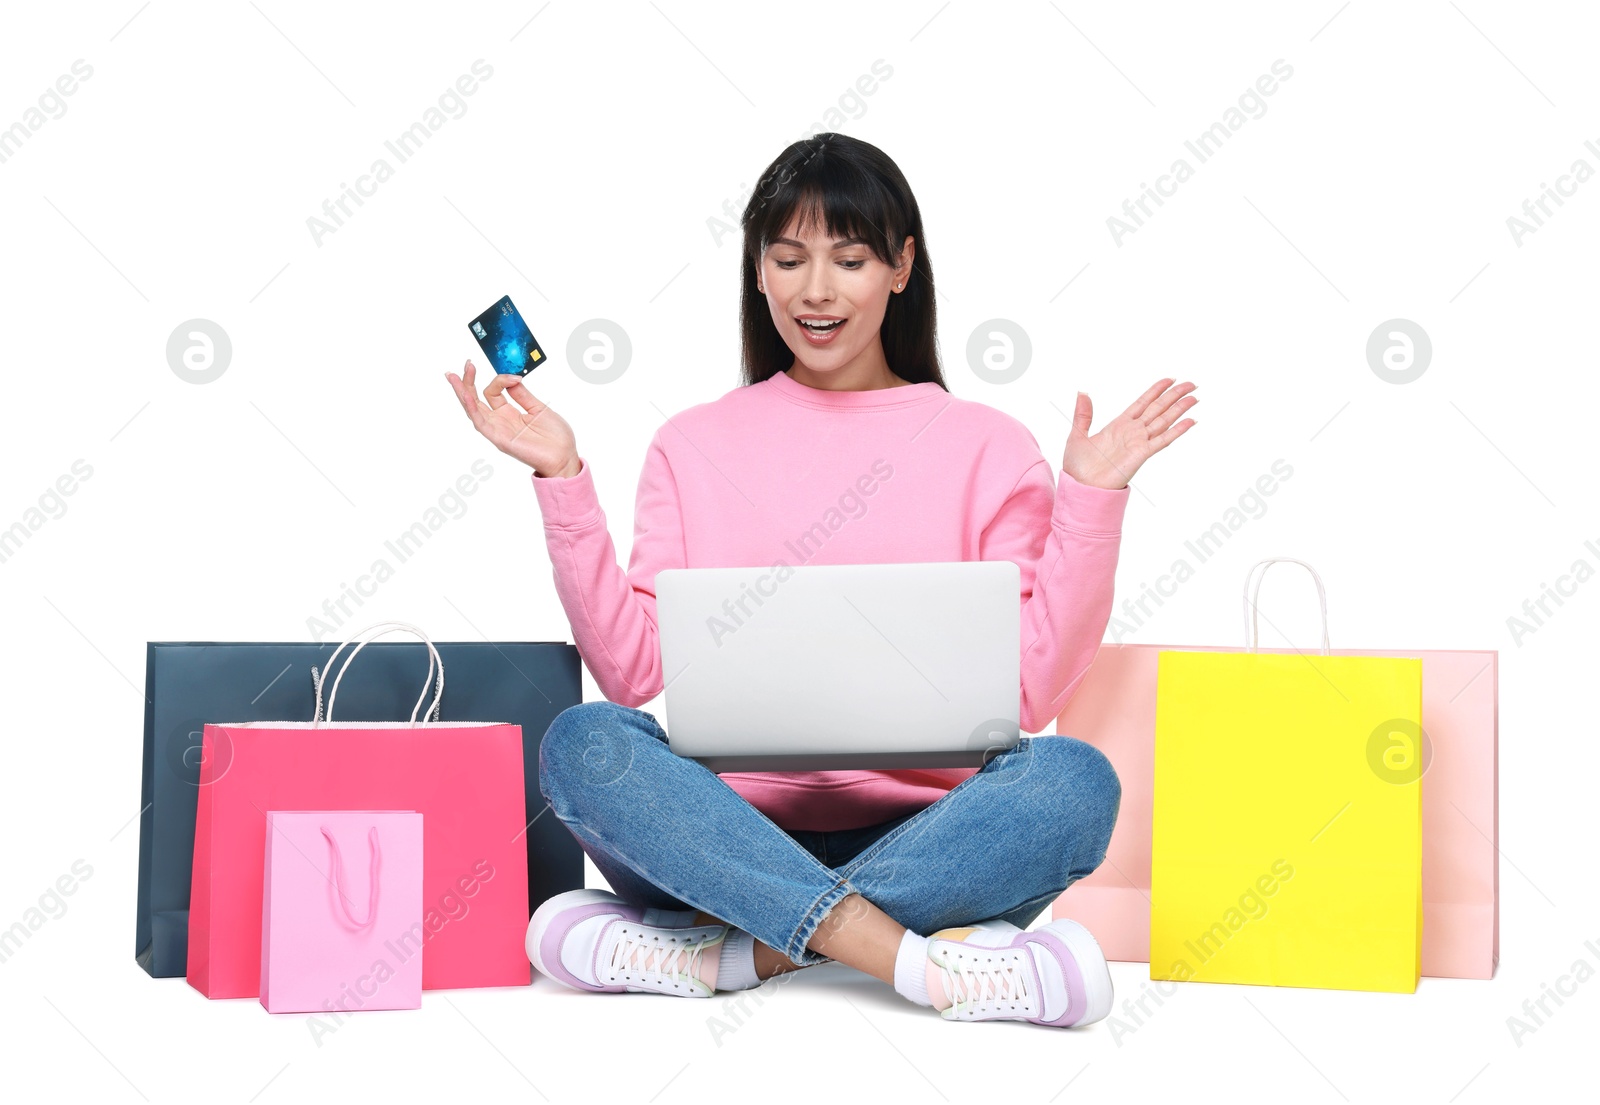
<point>580,179</point>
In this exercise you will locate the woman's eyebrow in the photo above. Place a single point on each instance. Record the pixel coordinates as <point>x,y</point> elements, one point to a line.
<point>840,244</point>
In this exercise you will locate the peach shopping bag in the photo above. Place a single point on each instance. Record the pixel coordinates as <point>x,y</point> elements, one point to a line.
<point>1114,709</point>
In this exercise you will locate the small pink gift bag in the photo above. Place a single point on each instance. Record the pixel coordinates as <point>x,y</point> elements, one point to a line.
<point>341,917</point>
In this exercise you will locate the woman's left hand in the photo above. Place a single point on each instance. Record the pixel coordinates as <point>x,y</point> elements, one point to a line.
<point>1109,458</point>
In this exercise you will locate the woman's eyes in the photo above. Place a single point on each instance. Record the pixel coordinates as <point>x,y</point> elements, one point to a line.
<point>851,265</point>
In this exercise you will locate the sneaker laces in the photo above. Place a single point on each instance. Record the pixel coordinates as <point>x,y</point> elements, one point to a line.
<point>642,951</point>
<point>985,978</point>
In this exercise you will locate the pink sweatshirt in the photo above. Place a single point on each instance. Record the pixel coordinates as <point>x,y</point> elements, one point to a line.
<point>779,471</point>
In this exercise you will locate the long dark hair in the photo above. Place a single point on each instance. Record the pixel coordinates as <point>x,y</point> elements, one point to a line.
<point>857,191</point>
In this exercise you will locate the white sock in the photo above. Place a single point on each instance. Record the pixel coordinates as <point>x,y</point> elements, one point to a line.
<point>911,968</point>
<point>736,964</point>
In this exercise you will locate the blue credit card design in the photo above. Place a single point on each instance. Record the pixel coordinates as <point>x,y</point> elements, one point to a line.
<point>506,340</point>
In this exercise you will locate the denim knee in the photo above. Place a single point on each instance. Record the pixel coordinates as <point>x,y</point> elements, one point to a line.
<point>588,745</point>
<point>1082,791</point>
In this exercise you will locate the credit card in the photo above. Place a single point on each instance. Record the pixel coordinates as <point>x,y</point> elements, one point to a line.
<point>506,340</point>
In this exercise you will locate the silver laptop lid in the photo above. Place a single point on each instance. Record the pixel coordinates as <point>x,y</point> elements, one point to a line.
<point>820,667</point>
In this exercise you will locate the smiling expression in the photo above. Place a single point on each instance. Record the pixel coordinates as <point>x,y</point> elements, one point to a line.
<point>828,296</point>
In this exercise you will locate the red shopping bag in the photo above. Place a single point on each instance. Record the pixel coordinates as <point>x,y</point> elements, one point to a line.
<point>466,779</point>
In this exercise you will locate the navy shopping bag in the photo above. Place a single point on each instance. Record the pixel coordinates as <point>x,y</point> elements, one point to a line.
<point>188,684</point>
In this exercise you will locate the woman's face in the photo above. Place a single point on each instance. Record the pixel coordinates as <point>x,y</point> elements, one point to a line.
<point>838,285</point>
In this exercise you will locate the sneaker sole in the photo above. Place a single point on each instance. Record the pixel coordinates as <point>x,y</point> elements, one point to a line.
<point>1091,965</point>
<point>540,921</point>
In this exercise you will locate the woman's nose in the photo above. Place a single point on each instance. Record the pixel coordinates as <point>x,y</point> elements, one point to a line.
<point>819,284</point>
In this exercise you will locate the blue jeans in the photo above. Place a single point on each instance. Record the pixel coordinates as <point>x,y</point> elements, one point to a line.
<point>665,831</point>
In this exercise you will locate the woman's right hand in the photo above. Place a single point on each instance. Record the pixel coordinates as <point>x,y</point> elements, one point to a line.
<point>527,429</point>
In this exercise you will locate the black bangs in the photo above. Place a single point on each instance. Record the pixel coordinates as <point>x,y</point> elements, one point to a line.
<point>848,202</point>
<point>852,190</point>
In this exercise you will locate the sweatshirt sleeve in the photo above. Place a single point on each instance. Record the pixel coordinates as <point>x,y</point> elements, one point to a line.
<point>1065,543</point>
<point>612,612</point>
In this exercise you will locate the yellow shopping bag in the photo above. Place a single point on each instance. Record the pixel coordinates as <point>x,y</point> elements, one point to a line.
<point>1287,820</point>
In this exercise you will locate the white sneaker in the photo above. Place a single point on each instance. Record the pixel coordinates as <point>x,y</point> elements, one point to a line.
<point>1055,975</point>
<point>593,940</point>
<point>995,925</point>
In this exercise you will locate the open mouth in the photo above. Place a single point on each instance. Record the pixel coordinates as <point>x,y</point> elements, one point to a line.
<point>820,331</point>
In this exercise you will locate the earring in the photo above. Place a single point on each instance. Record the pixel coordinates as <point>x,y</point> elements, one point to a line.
<point>897,287</point>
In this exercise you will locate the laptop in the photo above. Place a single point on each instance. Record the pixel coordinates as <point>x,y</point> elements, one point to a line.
<point>841,666</point>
